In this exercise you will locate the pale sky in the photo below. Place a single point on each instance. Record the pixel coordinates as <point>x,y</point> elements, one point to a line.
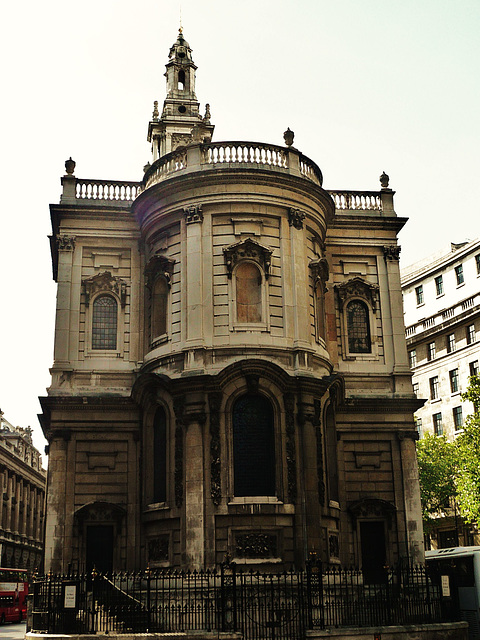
<point>366,85</point>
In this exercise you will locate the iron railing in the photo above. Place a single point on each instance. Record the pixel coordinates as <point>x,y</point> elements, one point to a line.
<point>258,605</point>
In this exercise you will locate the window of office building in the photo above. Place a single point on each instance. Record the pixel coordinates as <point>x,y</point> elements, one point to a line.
<point>457,417</point>
<point>477,262</point>
<point>450,343</point>
<point>419,294</point>
<point>439,285</point>
<point>415,388</point>
<point>473,366</point>
<point>412,355</point>
<point>459,274</point>
<point>434,388</point>
<point>437,424</point>
<point>470,334</point>
<point>431,350</point>
<point>454,380</point>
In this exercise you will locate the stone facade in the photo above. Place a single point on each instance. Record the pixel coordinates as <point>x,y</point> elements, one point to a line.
<point>442,318</point>
<point>22,492</point>
<point>230,375</point>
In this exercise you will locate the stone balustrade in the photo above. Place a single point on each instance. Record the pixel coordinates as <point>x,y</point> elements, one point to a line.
<point>106,190</point>
<point>357,200</point>
<point>218,155</point>
<point>442,316</point>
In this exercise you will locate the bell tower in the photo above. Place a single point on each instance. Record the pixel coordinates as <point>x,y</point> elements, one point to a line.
<point>180,123</point>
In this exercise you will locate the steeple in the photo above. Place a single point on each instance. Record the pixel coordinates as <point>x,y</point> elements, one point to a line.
<point>180,123</point>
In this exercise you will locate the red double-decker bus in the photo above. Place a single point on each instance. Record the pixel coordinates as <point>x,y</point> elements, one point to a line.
<point>13,595</point>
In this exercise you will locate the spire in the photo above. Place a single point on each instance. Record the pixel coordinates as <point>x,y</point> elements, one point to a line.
<point>180,123</point>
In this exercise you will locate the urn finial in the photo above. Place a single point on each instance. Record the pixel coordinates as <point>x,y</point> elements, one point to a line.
<point>288,136</point>
<point>384,180</point>
<point>70,166</point>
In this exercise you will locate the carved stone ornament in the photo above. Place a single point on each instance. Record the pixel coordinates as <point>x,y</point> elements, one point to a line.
<point>256,545</point>
<point>66,243</point>
<point>384,180</point>
<point>357,288</point>
<point>158,549</point>
<point>100,512</point>
<point>214,402</point>
<point>392,252</point>
<point>320,271</point>
<point>289,402</point>
<point>158,266</point>
<point>179,409</point>
<point>193,214</point>
<point>248,249</point>
<point>296,217</point>
<point>316,422</point>
<point>372,508</point>
<point>179,140</point>
<point>105,282</point>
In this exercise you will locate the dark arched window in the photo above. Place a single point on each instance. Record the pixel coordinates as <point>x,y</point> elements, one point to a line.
<point>104,323</point>
<point>159,307</point>
<point>160,456</point>
<point>358,327</point>
<point>248,282</point>
<point>181,80</point>
<point>253,446</point>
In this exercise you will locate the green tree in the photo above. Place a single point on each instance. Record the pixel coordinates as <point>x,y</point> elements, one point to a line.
<point>437,467</point>
<point>468,455</point>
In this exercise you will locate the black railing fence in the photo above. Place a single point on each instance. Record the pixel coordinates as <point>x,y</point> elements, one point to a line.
<point>257,605</point>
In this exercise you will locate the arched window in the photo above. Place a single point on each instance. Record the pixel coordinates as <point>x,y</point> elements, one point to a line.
<point>358,327</point>
<point>104,323</point>
<point>181,80</point>
<point>160,456</point>
<point>253,446</point>
<point>159,308</point>
<point>248,282</point>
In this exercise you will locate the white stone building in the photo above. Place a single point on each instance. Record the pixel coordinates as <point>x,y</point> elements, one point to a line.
<point>230,372</point>
<point>22,498</point>
<point>442,318</point>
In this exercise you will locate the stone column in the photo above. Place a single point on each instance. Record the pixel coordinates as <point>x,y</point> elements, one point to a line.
<point>194,528</point>
<point>300,297</point>
<point>193,283</point>
<point>18,496</point>
<point>8,522</point>
<point>2,489</point>
<point>66,245</point>
<point>56,503</point>
<point>411,492</point>
<point>398,347</point>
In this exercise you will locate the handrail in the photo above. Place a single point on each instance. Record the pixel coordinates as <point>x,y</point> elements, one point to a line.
<point>357,200</point>
<point>106,190</point>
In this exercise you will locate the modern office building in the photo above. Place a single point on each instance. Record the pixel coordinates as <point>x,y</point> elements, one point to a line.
<point>442,318</point>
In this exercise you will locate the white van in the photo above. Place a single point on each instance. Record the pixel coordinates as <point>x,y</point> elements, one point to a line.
<point>458,572</point>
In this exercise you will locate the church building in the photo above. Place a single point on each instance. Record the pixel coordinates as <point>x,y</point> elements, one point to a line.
<point>230,375</point>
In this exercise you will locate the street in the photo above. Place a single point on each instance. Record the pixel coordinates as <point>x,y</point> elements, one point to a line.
<point>12,631</point>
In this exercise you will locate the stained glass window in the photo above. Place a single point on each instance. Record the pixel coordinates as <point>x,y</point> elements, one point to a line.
<point>253,446</point>
<point>358,327</point>
<point>104,323</point>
